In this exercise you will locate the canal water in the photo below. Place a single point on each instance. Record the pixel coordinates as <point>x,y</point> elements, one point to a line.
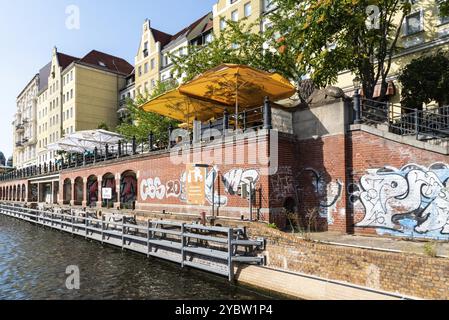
<point>33,263</point>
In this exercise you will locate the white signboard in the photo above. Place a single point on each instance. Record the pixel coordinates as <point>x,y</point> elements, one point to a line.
<point>106,193</point>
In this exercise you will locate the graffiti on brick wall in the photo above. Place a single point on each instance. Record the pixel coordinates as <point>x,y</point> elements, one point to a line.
<point>411,200</point>
<point>283,185</point>
<point>234,179</point>
<point>327,194</point>
<point>156,189</point>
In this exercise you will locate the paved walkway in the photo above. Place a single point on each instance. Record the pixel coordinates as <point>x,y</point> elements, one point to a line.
<point>420,247</point>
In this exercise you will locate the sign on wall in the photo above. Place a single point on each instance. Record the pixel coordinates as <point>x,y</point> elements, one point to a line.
<point>196,184</point>
<point>106,193</point>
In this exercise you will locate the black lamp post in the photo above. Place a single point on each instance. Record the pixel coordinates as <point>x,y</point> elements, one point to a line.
<point>357,85</point>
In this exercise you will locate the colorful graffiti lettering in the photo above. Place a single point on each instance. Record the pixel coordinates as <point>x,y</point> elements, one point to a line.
<point>412,200</point>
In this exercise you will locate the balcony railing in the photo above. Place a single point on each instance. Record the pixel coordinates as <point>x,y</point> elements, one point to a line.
<point>423,124</point>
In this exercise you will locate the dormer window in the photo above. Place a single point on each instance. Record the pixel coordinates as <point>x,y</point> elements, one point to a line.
<point>102,64</point>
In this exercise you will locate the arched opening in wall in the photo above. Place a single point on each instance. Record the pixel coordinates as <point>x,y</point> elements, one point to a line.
<point>290,215</point>
<point>78,191</point>
<point>1,193</point>
<point>14,193</point>
<point>92,190</point>
<point>34,192</point>
<point>67,191</point>
<point>128,190</point>
<point>7,194</point>
<point>19,193</point>
<point>108,181</point>
<point>11,194</point>
<point>24,195</point>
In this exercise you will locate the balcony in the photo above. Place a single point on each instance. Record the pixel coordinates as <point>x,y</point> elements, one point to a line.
<point>20,128</point>
<point>19,145</point>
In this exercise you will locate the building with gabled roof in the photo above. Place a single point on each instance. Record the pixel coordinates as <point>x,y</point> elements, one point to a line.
<point>77,94</point>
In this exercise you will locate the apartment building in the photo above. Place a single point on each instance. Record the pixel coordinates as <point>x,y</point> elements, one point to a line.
<point>148,58</point>
<point>81,94</point>
<point>153,63</point>
<point>198,33</point>
<point>24,125</point>
<point>235,10</point>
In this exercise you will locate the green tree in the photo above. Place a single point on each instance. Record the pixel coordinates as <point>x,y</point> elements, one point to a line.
<point>139,123</point>
<point>424,80</point>
<point>325,37</point>
<point>328,37</point>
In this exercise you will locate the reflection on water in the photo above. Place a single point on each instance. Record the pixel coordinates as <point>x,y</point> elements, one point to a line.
<point>33,263</point>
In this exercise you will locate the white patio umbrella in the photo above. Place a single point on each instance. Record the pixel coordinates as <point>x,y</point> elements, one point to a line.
<point>94,138</point>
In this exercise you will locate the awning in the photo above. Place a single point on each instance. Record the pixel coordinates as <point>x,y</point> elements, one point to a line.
<point>184,108</point>
<point>238,85</point>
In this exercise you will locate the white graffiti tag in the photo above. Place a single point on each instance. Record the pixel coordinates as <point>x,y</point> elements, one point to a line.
<point>155,189</point>
<point>234,179</point>
<point>414,192</point>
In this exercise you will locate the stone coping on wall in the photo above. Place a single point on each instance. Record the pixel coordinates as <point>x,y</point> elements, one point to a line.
<point>410,140</point>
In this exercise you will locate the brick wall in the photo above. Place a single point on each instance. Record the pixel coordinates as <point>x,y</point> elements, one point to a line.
<point>407,274</point>
<point>160,181</point>
<point>321,173</point>
<point>368,151</point>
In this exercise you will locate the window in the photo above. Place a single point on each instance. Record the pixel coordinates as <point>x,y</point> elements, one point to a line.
<point>140,71</point>
<point>413,23</point>
<point>222,24</point>
<point>166,60</point>
<point>153,84</point>
<point>208,38</point>
<point>145,49</point>
<point>153,64</point>
<point>248,9</point>
<point>145,68</point>
<point>235,15</point>
<point>71,75</point>
<point>71,94</point>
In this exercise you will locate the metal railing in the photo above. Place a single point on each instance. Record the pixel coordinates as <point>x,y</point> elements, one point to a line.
<point>211,249</point>
<point>423,124</point>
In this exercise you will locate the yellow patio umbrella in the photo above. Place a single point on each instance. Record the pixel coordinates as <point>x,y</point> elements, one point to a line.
<point>181,107</point>
<point>238,85</point>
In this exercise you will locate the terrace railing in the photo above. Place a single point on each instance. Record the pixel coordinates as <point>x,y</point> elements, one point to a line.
<point>423,124</point>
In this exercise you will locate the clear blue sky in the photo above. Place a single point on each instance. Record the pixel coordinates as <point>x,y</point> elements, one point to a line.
<point>30,28</point>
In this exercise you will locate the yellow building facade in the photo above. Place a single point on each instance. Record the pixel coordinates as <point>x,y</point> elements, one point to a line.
<point>148,58</point>
<point>81,94</point>
<point>236,10</point>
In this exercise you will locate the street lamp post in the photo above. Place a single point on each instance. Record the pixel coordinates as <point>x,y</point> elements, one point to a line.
<point>357,105</point>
